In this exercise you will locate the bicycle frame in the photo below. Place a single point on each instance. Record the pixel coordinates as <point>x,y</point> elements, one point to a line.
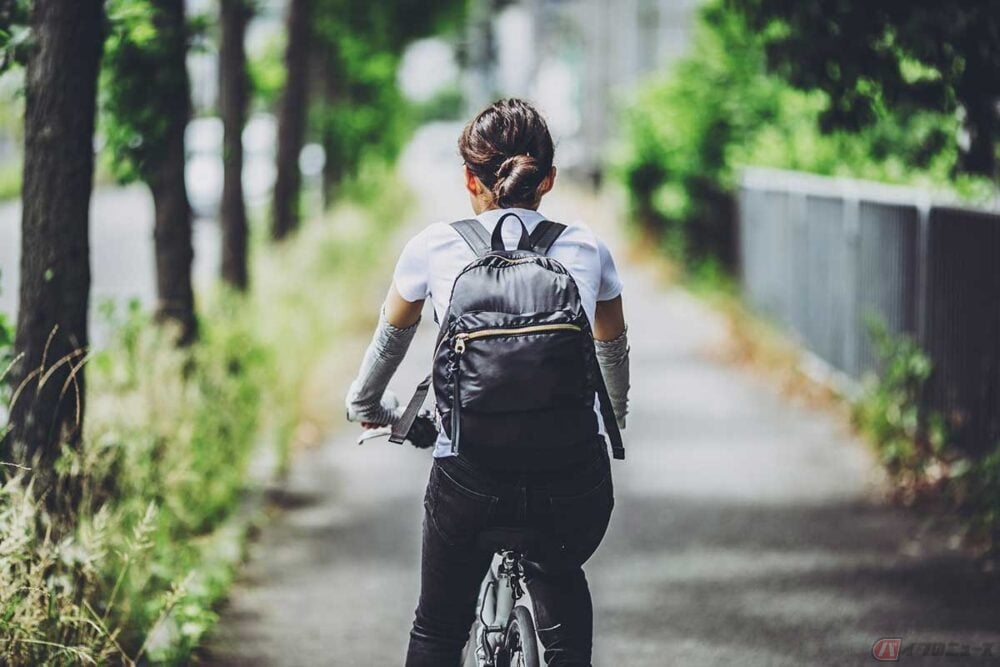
<point>501,591</point>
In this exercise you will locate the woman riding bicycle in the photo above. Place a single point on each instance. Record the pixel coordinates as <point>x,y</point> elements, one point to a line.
<point>565,498</point>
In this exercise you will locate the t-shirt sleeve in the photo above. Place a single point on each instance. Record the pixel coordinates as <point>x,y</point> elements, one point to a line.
<point>611,284</point>
<point>412,271</point>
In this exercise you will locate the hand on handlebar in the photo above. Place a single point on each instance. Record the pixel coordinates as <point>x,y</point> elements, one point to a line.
<point>422,434</point>
<point>371,414</point>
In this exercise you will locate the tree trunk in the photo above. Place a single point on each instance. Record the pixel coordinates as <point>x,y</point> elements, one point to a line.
<point>333,172</point>
<point>292,121</point>
<point>234,15</point>
<point>172,231</point>
<point>60,90</point>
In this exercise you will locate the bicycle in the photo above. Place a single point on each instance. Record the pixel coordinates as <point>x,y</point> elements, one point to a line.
<point>504,632</point>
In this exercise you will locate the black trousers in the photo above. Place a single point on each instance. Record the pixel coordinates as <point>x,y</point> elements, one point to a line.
<point>571,507</point>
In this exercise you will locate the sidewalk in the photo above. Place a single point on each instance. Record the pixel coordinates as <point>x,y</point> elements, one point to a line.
<point>744,533</point>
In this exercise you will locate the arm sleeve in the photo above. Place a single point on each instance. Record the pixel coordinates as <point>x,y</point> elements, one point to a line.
<point>412,269</point>
<point>367,398</point>
<point>611,284</point>
<point>612,355</point>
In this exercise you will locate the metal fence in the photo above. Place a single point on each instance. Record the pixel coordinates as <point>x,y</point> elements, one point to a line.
<point>824,257</point>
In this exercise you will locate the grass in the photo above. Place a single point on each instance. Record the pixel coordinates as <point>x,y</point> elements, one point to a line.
<point>165,449</point>
<point>134,574</point>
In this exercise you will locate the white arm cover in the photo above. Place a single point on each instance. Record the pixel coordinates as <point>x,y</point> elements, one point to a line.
<point>367,399</point>
<point>612,355</point>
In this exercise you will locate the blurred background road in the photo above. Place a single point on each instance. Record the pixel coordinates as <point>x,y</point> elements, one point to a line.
<point>121,251</point>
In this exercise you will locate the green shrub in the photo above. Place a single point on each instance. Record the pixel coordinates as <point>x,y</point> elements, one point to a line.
<point>913,442</point>
<point>975,486</point>
<point>890,411</point>
<point>680,129</point>
<point>690,129</point>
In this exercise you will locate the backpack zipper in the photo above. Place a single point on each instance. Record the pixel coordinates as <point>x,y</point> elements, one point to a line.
<point>462,338</point>
<point>456,412</point>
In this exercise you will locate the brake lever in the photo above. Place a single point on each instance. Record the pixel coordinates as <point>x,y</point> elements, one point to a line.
<point>372,433</point>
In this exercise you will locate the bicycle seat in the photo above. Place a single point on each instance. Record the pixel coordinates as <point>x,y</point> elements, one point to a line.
<point>512,538</point>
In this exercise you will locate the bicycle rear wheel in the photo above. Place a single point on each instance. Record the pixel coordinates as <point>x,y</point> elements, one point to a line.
<point>521,642</point>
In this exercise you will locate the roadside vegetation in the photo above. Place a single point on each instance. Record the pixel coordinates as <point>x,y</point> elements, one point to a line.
<point>690,129</point>
<point>763,85</point>
<point>914,444</point>
<point>132,571</point>
<point>126,469</point>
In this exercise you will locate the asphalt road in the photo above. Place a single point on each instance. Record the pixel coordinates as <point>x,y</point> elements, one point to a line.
<point>121,257</point>
<point>746,530</point>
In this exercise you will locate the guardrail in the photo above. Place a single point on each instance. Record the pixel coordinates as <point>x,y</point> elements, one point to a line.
<point>820,256</point>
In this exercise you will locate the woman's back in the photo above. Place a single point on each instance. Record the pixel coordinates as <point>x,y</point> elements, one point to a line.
<point>508,167</point>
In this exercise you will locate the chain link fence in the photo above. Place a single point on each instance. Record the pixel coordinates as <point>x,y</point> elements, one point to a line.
<point>826,257</point>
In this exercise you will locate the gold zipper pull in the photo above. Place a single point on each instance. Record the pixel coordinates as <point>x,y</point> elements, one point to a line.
<point>460,343</point>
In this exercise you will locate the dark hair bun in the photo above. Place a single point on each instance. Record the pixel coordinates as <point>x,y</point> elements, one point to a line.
<point>517,181</point>
<point>509,148</point>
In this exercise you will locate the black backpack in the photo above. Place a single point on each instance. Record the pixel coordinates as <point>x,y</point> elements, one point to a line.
<point>515,371</point>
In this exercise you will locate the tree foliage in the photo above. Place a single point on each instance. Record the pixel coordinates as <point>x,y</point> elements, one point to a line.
<point>900,56</point>
<point>136,87</point>
<point>359,45</point>
<point>682,127</point>
<point>15,32</point>
<point>690,128</point>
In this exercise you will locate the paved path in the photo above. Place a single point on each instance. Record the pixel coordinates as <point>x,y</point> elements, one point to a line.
<point>744,531</point>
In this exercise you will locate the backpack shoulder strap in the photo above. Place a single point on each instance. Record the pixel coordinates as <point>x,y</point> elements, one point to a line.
<point>402,427</point>
<point>545,234</point>
<point>608,417</point>
<point>474,234</point>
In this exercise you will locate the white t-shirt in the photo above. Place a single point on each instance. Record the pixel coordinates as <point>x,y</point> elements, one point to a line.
<point>432,259</point>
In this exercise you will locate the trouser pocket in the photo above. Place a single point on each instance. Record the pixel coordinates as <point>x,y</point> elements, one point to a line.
<point>580,520</point>
<point>457,512</point>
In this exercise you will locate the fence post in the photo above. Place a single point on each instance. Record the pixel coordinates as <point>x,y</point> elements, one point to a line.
<point>853,327</point>
<point>922,280</point>
<point>795,293</point>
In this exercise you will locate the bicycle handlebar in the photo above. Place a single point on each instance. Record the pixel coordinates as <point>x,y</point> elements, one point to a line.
<point>422,435</point>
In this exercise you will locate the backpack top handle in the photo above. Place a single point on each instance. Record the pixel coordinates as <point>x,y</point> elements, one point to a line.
<point>496,242</point>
